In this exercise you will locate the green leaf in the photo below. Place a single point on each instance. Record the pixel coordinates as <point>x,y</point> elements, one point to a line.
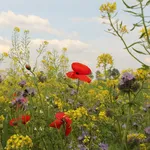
<point>133,44</point>
<point>121,24</point>
<point>131,12</point>
<point>139,51</point>
<point>5,135</point>
<point>142,35</point>
<point>148,3</point>
<point>130,7</point>
<point>126,4</point>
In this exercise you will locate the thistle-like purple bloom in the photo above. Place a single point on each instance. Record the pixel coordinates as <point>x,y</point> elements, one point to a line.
<point>126,77</point>
<point>127,83</point>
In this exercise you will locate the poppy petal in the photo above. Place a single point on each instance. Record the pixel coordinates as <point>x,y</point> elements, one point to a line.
<point>25,119</point>
<point>13,122</point>
<point>81,69</point>
<point>60,115</point>
<point>56,124</point>
<point>68,130</point>
<point>71,75</point>
<point>84,78</point>
<point>68,120</point>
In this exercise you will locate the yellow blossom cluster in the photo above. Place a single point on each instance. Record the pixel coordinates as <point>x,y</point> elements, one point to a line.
<point>64,49</point>
<point>86,139</point>
<point>143,146</point>
<point>111,83</point>
<point>108,7</point>
<point>78,113</point>
<point>17,29</point>
<point>5,54</point>
<point>103,96</point>
<point>1,118</point>
<point>58,103</point>
<point>102,116</point>
<point>104,59</point>
<point>142,74</point>
<point>19,142</point>
<point>143,31</point>
<point>135,136</point>
<point>123,29</point>
<point>46,43</point>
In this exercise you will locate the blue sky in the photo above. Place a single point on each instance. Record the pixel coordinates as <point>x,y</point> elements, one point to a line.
<point>74,24</point>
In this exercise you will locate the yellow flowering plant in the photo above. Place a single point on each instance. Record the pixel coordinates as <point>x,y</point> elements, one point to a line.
<point>117,28</point>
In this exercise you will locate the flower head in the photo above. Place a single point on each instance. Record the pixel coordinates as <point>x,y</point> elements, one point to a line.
<point>22,83</point>
<point>19,142</point>
<point>24,119</point>
<point>20,102</point>
<point>62,118</point>
<point>108,7</point>
<point>80,71</point>
<point>127,83</point>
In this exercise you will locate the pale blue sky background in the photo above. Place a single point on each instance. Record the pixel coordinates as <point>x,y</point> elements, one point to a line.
<point>75,24</point>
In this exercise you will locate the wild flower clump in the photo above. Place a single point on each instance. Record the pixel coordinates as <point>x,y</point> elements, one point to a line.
<point>16,142</point>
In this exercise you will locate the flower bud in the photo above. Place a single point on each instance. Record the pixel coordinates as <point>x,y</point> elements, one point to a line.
<point>28,67</point>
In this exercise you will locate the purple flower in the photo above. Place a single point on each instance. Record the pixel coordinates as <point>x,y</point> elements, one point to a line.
<point>147,130</point>
<point>103,146</point>
<point>73,92</point>
<point>126,77</point>
<point>127,83</point>
<point>21,101</point>
<point>82,147</point>
<point>22,83</point>
<point>29,91</point>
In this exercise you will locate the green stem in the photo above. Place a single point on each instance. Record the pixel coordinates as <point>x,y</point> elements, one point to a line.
<point>127,122</point>
<point>144,24</point>
<point>109,17</point>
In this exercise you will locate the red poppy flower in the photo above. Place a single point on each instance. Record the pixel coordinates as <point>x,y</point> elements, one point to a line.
<point>80,71</point>
<point>24,119</point>
<point>61,119</point>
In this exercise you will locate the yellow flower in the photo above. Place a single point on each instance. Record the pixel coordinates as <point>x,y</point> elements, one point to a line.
<point>135,136</point>
<point>108,7</point>
<point>1,118</point>
<point>64,49</point>
<point>102,116</point>
<point>78,113</point>
<point>16,29</point>
<point>104,59</point>
<point>142,31</point>
<point>142,74</point>
<point>143,146</point>
<point>5,54</point>
<point>86,139</point>
<point>46,43</point>
<point>123,29</point>
<point>18,142</point>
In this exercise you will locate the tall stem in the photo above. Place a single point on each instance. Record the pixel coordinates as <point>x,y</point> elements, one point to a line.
<point>109,17</point>
<point>127,122</point>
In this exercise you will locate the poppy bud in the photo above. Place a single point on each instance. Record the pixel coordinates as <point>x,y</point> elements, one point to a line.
<point>28,67</point>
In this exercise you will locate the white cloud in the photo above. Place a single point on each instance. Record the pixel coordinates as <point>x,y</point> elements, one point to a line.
<point>100,20</point>
<point>71,45</point>
<point>30,22</point>
<point>4,44</point>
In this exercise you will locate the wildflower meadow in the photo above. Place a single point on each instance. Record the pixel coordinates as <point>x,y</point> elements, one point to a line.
<point>67,106</point>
